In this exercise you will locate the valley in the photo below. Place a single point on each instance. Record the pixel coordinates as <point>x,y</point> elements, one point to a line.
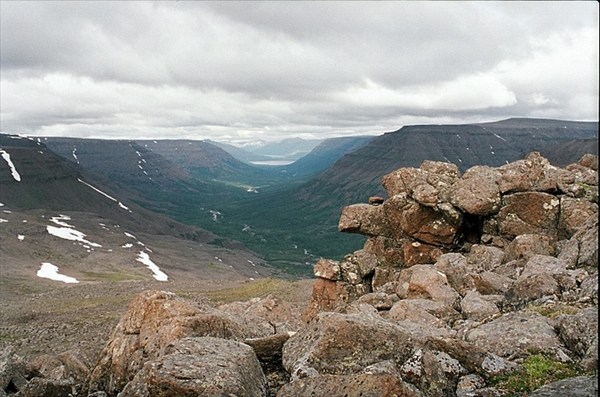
<point>287,215</point>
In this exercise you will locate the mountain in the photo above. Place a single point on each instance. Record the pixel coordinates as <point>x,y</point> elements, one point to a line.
<point>207,161</point>
<point>53,212</point>
<point>324,155</point>
<point>241,154</point>
<point>286,150</point>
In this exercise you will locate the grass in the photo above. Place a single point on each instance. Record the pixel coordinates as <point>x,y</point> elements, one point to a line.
<point>554,311</point>
<point>111,276</point>
<point>259,288</point>
<point>538,370</point>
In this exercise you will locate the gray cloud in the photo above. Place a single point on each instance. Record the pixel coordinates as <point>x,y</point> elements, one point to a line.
<point>238,70</point>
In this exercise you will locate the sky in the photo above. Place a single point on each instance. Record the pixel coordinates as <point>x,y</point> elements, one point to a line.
<point>242,72</point>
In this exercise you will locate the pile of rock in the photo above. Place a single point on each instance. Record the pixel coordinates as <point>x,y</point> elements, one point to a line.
<point>461,279</point>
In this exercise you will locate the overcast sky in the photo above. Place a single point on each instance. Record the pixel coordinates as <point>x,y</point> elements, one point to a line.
<point>243,71</point>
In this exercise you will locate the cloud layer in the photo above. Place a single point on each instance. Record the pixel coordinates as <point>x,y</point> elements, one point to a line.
<point>238,71</point>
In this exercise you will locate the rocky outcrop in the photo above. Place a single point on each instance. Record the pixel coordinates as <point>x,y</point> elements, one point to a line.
<point>472,269</point>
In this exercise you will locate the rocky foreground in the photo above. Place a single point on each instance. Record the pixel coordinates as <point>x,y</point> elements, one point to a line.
<point>480,284</point>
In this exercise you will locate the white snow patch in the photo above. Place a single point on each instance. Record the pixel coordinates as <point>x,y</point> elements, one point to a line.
<point>20,237</point>
<point>75,155</point>
<point>1,205</point>
<point>48,270</point>
<point>129,235</point>
<point>144,258</point>
<point>13,170</point>
<point>2,220</point>
<point>499,137</point>
<point>105,195</point>
<point>7,211</point>
<point>59,220</point>
<point>128,245</point>
<point>70,234</point>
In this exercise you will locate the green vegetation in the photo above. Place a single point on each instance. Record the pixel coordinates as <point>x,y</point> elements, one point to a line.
<point>554,310</point>
<point>255,289</point>
<point>538,370</point>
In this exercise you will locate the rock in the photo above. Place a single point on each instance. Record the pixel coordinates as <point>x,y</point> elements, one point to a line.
<point>579,386</point>
<point>328,269</point>
<point>483,257</point>
<point>477,192</point>
<point>475,307</point>
<point>154,320</point>
<point>200,366</point>
<point>338,344</point>
<point>15,372</point>
<point>407,218</point>
<point>37,387</point>
<point>364,219</point>
<point>376,200</point>
<point>534,173</point>
<point>527,245</point>
<point>529,213</point>
<point>424,281</point>
<point>423,311</point>
<point>379,300</point>
<point>574,213</point>
<point>579,332</point>
<point>515,334</point>
<point>360,385</point>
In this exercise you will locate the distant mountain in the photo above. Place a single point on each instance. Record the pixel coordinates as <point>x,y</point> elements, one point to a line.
<point>324,155</point>
<point>286,150</point>
<point>207,161</point>
<point>51,211</point>
<point>241,154</point>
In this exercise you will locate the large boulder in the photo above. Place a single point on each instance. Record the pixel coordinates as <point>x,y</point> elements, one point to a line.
<point>337,344</point>
<point>205,366</point>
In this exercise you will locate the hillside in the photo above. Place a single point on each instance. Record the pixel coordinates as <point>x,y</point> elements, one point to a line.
<point>52,212</point>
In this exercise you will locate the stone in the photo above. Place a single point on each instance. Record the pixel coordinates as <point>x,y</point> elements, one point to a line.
<point>364,219</point>
<point>527,245</point>
<point>477,192</point>
<point>424,281</point>
<point>341,344</point>
<point>579,386</point>
<point>534,172</point>
<point>327,269</point>
<point>475,307</point>
<point>360,385</point>
<point>529,213</point>
<point>200,366</point>
<point>515,334</point>
<point>407,218</point>
<point>574,213</point>
<point>579,332</point>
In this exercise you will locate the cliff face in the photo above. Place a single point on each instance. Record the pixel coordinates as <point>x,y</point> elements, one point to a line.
<point>466,280</point>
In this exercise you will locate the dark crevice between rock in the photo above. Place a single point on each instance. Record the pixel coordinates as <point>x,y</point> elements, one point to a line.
<point>469,232</point>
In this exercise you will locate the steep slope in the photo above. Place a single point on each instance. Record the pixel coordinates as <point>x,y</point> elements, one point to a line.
<point>206,161</point>
<point>324,155</point>
<point>51,212</point>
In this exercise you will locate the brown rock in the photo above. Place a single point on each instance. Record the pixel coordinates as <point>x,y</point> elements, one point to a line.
<point>360,385</point>
<point>364,219</point>
<point>475,307</point>
<point>477,192</point>
<point>534,173</point>
<point>424,281</point>
<point>529,213</point>
<point>203,366</point>
<point>335,343</point>
<point>574,214</point>
<point>407,218</point>
<point>327,269</point>
<point>527,245</point>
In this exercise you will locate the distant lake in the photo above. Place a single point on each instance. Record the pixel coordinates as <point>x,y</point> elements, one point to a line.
<point>272,162</point>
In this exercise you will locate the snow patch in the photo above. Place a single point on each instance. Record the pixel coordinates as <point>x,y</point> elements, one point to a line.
<point>70,234</point>
<point>2,220</point>
<point>144,258</point>
<point>13,170</point>
<point>59,220</point>
<point>20,237</point>
<point>128,245</point>
<point>104,194</point>
<point>48,270</point>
